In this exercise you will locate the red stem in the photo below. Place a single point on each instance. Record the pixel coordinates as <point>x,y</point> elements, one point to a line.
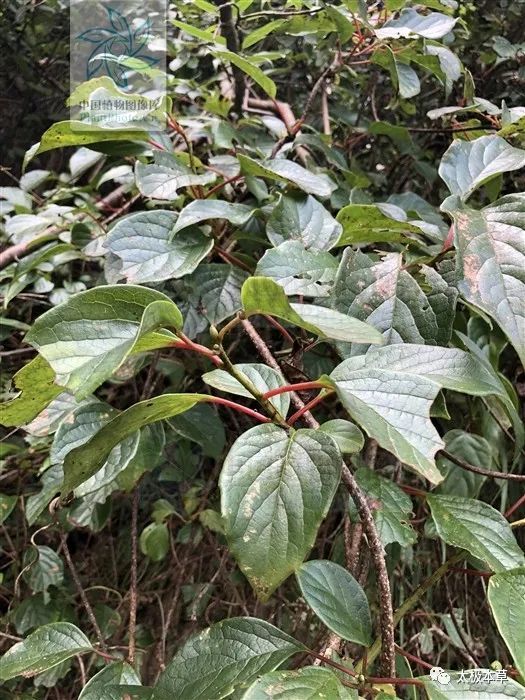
<point>515,507</point>
<point>473,572</point>
<point>320,397</point>
<point>216,188</point>
<point>280,328</point>
<point>302,386</point>
<point>414,659</point>
<point>156,145</point>
<point>242,409</point>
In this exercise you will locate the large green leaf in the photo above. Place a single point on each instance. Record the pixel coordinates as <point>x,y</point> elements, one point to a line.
<point>392,508</point>
<point>276,488</point>
<point>291,173</point>
<point>104,685</point>
<point>367,223</point>
<point>308,683</point>
<point>410,23</point>
<point>384,294</point>
<point>300,217</point>
<point>506,596</point>
<point>458,689</point>
<point>45,648</point>
<point>345,434</point>
<point>337,599</point>
<point>216,290</point>
<point>148,252</point>
<point>74,133</point>
<point>298,270</point>
<point>250,68</point>
<point>36,382</point>
<point>477,527</point>
<point>227,655</point>
<point>490,246</point>
<point>201,424</point>
<point>262,377</point>
<point>84,461</point>
<point>87,338</point>
<point>205,209</point>
<point>85,422</point>
<point>389,392</point>
<point>261,295</point>
<point>467,165</point>
<point>43,568</point>
<point>166,176</point>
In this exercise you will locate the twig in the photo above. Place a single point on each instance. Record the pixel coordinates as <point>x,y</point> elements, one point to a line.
<point>133,597</point>
<point>81,591</point>
<point>479,470</point>
<point>229,32</point>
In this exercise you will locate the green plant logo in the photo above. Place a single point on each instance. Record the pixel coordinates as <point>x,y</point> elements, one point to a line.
<point>115,42</point>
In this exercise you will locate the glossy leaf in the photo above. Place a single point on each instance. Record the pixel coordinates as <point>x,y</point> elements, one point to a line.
<point>155,541</point>
<point>87,338</point>
<point>204,209</point>
<point>345,434</point>
<point>249,67</point>
<point>467,165</point>
<point>337,599</point>
<point>299,271</point>
<point>290,172</point>
<point>261,295</point>
<point>389,392</point>
<point>477,527</point>
<point>410,23</point>
<point>45,648</point>
<point>307,683</point>
<point>216,290</point>
<point>506,596</point>
<point>104,685</point>
<point>74,133</point>
<point>147,250</point>
<point>262,377</point>
<point>490,246</point>
<point>301,217</point>
<point>166,176</point>
<point>224,656</point>
<point>269,482</point>
<point>368,223</point>
<point>83,462</point>
<point>459,690</point>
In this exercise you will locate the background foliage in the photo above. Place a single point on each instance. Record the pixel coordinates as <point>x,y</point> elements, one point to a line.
<point>262,372</point>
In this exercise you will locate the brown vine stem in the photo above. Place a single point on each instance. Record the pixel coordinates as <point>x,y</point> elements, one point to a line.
<point>81,591</point>
<point>479,470</point>
<point>133,595</point>
<point>386,644</point>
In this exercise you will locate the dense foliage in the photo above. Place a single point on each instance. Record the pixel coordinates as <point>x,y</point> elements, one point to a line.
<point>262,371</point>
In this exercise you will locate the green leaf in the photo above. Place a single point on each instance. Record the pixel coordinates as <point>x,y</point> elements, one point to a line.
<point>345,434</point>
<point>44,569</point>
<point>384,294</point>
<point>471,448</point>
<point>478,528</point>
<point>297,270</point>
<point>7,504</point>
<point>337,599</point>
<point>84,461</point>
<point>466,165</point>
<point>301,217</point>
<point>45,648</point>
<point>506,596</point>
<point>261,295</point>
<point>148,252</point>
<point>410,23</point>
<point>261,32</point>
<point>202,425</point>
<point>276,488</point>
<point>457,689</point>
<point>389,392</point>
<point>202,34</point>
<point>155,541</point>
<point>166,176</point>
<point>291,173</point>
<point>76,431</point>
<point>74,133</point>
<point>392,508</point>
<point>308,683</point>
<point>408,81</point>
<point>36,382</point>
<point>248,66</point>
<point>262,377</point>
<point>216,290</point>
<point>224,656</point>
<point>104,685</point>
<point>367,223</point>
<point>89,336</point>
<point>205,209</point>
<point>491,261</point>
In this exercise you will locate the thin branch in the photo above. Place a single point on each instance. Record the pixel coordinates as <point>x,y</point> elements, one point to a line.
<point>479,470</point>
<point>133,596</point>
<point>238,407</point>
